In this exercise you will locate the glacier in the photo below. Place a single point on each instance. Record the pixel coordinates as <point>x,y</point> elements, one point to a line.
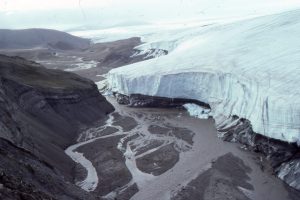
<point>248,68</point>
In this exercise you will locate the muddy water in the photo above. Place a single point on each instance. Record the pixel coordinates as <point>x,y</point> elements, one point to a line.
<point>161,154</point>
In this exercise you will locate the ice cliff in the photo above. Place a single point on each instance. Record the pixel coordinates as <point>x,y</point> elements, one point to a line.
<point>248,68</point>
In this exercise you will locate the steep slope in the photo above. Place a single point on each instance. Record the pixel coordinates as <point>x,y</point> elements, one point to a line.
<point>244,70</point>
<point>33,38</point>
<point>42,111</point>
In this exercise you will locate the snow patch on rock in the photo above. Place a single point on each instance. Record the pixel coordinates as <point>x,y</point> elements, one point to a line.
<point>197,111</point>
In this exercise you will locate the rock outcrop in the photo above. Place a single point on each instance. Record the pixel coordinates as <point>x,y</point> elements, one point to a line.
<point>138,100</point>
<point>41,112</point>
<point>283,156</point>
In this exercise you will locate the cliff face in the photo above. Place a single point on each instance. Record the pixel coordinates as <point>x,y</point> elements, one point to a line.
<point>41,113</point>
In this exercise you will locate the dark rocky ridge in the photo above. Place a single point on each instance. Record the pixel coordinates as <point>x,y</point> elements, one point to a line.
<point>25,176</point>
<point>283,157</point>
<point>138,100</point>
<point>32,38</point>
<point>41,112</point>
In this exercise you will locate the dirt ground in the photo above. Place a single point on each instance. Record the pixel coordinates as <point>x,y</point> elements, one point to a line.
<point>166,154</point>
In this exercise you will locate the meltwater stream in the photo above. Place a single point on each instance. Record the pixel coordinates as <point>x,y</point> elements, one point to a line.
<point>90,183</point>
<point>142,143</point>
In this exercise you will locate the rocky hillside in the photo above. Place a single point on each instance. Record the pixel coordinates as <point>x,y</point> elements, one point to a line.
<point>33,38</point>
<point>41,112</point>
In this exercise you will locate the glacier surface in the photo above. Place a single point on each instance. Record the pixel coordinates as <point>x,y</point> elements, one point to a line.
<point>248,68</point>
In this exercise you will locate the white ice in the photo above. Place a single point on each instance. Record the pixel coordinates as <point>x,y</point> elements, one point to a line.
<point>197,111</point>
<point>248,68</point>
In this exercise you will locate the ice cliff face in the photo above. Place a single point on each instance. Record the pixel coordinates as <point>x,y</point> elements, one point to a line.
<point>248,68</point>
